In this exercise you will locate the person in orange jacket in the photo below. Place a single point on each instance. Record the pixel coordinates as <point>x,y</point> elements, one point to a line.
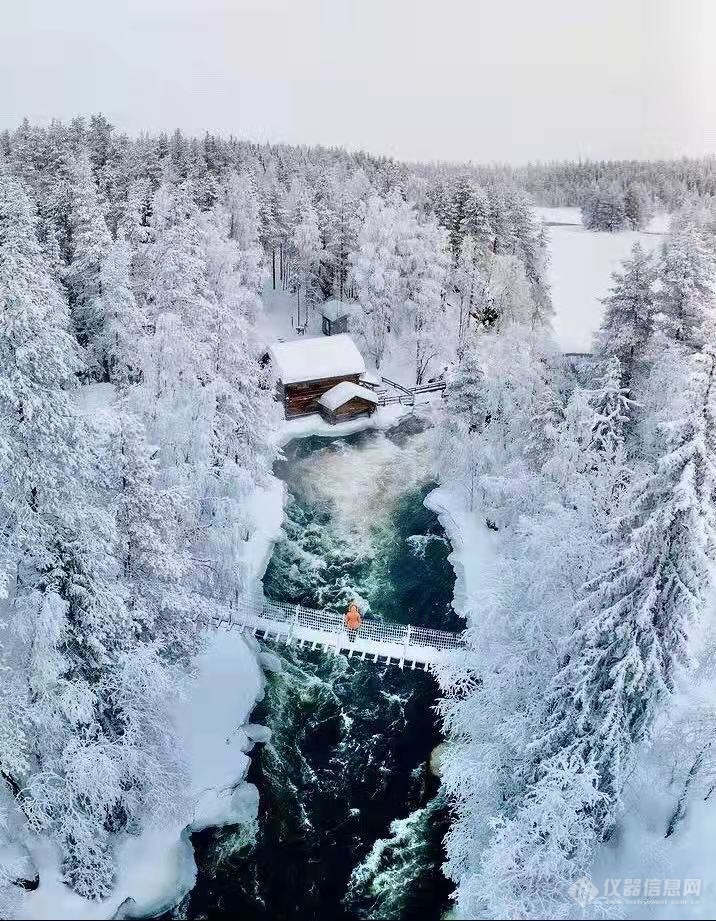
<point>353,621</point>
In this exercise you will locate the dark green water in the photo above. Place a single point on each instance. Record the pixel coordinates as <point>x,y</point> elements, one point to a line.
<point>350,820</point>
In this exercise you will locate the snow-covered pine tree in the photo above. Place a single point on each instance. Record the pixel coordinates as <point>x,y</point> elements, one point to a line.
<point>154,565</point>
<point>508,294</point>
<point>118,344</point>
<point>241,216</point>
<point>637,207</point>
<point>241,413</point>
<point>530,248</point>
<point>632,635</point>
<point>687,286</point>
<point>603,208</point>
<point>475,219</point>
<point>175,286</point>
<point>90,242</point>
<point>306,244</point>
<point>627,325</point>
<point>469,280</point>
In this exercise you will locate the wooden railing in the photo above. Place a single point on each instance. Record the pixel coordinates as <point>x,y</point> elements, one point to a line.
<point>406,395</point>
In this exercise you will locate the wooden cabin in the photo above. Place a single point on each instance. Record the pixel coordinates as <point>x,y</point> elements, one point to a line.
<point>347,401</point>
<point>335,317</point>
<point>307,368</point>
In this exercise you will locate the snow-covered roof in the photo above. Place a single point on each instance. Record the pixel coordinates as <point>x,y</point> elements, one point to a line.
<point>315,358</point>
<point>344,392</point>
<point>334,309</point>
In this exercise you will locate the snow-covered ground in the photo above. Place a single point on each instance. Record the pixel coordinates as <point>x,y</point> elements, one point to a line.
<point>473,551</point>
<point>581,265</point>
<point>279,319</point>
<point>156,868</point>
<point>383,418</point>
<point>639,851</point>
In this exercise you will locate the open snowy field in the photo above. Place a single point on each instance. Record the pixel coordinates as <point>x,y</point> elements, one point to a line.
<point>581,266</point>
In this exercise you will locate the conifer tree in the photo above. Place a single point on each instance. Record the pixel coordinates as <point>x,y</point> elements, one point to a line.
<point>627,325</point>
<point>90,243</point>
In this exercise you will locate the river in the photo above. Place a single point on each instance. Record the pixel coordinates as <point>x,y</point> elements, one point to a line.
<point>351,820</point>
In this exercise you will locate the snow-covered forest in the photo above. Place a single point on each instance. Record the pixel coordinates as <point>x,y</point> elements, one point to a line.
<point>141,280</point>
<point>665,183</point>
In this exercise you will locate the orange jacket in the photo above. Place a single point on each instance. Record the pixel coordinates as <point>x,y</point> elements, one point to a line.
<point>353,618</point>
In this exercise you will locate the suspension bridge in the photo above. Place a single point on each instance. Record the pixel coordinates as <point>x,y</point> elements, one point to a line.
<point>382,642</point>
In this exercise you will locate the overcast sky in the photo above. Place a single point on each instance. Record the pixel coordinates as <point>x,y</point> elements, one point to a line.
<point>484,80</point>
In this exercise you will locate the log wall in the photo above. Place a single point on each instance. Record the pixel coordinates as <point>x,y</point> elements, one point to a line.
<point>350,410</point>
<point>302,399</point>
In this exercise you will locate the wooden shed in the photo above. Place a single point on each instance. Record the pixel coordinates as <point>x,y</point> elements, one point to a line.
<point>335,317</point>
<point>347,401</point>
<point>307,368</point>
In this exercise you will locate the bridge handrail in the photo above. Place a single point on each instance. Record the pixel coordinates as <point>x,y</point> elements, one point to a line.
<point>254,611</point>
<point>387,380</point>
<point>428,388</point>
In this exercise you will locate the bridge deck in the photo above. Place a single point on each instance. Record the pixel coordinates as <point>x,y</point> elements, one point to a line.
<point>377,641</point>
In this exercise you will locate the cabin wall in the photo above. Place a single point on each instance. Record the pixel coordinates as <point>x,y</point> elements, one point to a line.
<point>302,399</point>
<point>334,327</point>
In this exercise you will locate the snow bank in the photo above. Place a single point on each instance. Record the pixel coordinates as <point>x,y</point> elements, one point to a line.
<point>211,717</point>
<point>552,216</point>
<point>383,418</point>
<point>473,552</point>
<point>156,868</point>
<point>640,851</point>
<point>265,508</point>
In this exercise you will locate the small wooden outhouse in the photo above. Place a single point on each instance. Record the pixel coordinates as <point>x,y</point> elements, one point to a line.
<point>335,317</point>
<point>347,401</point>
